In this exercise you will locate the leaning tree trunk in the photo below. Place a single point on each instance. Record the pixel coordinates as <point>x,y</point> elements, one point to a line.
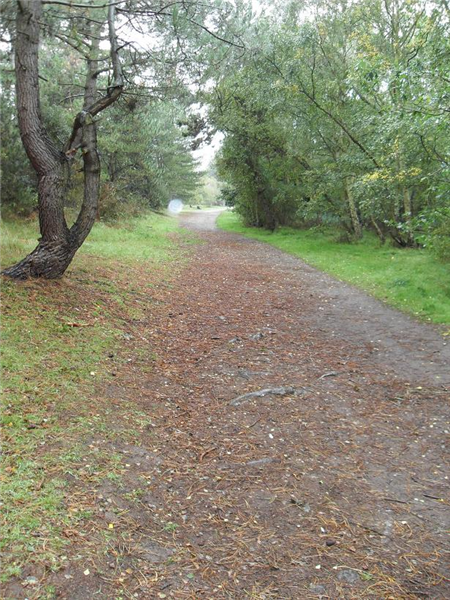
<point>353,211</point>
<point>378,230</point>
<point>58,244</point>
<point>45,158</point>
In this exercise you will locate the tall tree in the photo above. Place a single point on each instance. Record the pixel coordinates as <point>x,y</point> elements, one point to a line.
<point>59,243</point>
<point>174,34</point>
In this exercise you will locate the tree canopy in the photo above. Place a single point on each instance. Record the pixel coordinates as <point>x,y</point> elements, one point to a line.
<point>338,114</point>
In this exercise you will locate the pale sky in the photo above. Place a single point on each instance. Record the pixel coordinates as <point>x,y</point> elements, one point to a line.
<point>207,152</point>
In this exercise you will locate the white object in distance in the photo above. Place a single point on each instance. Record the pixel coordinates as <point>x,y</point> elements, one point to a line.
<point>175,206</point>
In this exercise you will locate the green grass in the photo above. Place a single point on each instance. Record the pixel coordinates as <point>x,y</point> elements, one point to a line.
<point>52,371</point>
<point>138,239</point>
<point>143,239</point>
<point>411,280</point>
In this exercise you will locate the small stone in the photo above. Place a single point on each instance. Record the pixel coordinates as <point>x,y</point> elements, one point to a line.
<point>348,576</point>
<point>257,336</point>
<point>330,542</point>
<point>260,461</point>
<point>317,589</point>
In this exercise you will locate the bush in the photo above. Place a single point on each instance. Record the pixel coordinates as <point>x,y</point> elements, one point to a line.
<point>113,207</point>
<point>432,229</point>
<point>440,241</point>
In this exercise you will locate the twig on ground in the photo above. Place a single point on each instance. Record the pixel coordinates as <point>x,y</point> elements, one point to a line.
<point>281,391</point>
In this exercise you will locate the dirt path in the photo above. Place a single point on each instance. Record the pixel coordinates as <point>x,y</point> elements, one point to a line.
<point>332,485</point>
<point>395,342</point>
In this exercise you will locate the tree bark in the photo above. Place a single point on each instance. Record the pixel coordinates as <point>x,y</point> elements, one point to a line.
<point>58,245</point>
<point>356,223</point>
<point>406,201</point>
<point>378,230</point>
<point>46,160</point>
<point>266,207</point>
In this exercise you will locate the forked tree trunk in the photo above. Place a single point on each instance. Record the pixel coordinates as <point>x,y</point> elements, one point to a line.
<point>58,244</point>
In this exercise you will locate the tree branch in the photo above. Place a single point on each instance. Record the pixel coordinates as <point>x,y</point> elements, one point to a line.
<point>87,6</point>
<point>217,37</point>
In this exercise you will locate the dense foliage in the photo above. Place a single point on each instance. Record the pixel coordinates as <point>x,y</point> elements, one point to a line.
<point>339,114</point>
<point>144,151</point>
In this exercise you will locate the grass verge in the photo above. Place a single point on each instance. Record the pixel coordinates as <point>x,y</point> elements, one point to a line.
<point>412,280</point>
<point>64,344</point>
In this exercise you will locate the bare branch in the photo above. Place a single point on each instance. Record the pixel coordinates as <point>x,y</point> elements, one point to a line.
<point>217,37</point>
<point>87,6</point>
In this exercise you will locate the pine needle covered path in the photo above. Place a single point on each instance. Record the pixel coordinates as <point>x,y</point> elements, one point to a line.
<point>296,447</point>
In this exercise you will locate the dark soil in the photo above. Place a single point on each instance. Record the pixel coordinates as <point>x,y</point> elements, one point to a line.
<point>335,487</point>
